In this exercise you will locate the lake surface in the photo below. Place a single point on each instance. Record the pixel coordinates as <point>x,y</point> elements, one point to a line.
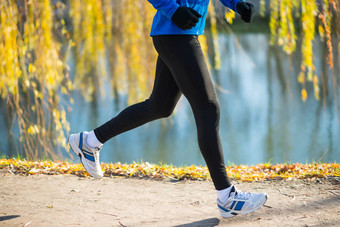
<point>262,116</point>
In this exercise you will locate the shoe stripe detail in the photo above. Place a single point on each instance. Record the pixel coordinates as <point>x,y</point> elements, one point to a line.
<point>239,205</point>
<point>87,152</point>
<point>232,205</point>
<point>222,208</point>
<point>81,141</point>
<point>91,158</point>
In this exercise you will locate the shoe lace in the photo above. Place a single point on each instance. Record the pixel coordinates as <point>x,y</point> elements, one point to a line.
<point>96,154</point>
<point>242,195</point>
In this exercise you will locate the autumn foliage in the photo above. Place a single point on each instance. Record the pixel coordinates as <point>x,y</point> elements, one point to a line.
<point>158,172</point>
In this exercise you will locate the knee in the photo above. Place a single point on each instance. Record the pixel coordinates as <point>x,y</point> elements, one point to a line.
<point>166,112</point>
<point>159,110</point>
<point>209,110</point>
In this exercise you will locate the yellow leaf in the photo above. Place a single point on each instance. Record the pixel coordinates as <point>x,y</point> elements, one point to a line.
<point>229,16</point>
<point>34,170</point>
<point>30,130</point>
<point>301,78</point>
<point>304,95</point>
<point>310,75</point>
<point>321,32</point>
<point>31,68</point>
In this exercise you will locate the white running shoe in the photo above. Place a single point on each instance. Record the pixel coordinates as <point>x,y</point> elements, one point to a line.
<point>89,157</point>
<point>241,203</point>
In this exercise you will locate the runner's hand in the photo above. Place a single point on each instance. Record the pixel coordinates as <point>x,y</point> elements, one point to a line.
<point>185,17</point>
<point>246,10</point>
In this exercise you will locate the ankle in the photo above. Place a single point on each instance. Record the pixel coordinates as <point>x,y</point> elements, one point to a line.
<point>223,194</point>
<point>92,141</point>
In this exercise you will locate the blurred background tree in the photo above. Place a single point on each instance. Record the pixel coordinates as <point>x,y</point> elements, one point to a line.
<point>110,38</point>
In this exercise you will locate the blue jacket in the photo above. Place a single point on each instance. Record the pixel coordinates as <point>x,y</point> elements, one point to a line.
<point>162,24</point>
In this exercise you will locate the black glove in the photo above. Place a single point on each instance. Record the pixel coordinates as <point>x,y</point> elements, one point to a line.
<point>246,10</point>
<point>185,17</point>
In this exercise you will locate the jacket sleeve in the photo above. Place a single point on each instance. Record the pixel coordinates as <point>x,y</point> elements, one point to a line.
<point>231,4</point>
<point>166,7</point>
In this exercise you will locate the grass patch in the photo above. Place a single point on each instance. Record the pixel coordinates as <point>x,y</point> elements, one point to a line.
<point>164,171</point>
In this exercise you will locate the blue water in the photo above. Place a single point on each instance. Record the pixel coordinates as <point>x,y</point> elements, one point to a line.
<point>262,116</point>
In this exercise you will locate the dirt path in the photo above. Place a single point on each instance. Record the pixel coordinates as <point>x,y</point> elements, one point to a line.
<point>64,200</point>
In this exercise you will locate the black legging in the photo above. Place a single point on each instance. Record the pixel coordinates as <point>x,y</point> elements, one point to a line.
<point>181,68</point>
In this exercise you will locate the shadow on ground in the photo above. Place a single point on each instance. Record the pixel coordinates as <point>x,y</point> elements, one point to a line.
<point>8,217</point>
<point>211,222</point>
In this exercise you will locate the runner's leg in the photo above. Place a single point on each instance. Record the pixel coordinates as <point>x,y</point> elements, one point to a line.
<point>161,104</point>
<point>184,57</point>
